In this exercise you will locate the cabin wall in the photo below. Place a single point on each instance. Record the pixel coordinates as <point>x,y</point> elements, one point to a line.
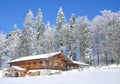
<point>30,64</point>
<point>57,64</point>
<point>41,64</point>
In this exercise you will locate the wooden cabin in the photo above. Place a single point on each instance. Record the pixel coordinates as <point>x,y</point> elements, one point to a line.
<point>53,61</point>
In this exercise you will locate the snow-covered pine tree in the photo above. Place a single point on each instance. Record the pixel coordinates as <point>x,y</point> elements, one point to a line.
<point>67,38</point>
<point>28,35</point>
<point>48,40</point>
<point>60,20</point>
<point>11,43</point>
<point>72,20</point>
<point>2,49</point>
<point>2,44</point>
<point>64,38</point>
<point>29,20</point>
<point>72,41</point>
<point>112,34</point>
<point>40,28</point>
<point>39,21</point>
<point>81,32</point>
<point>16,33</point>
<point>96,42</point>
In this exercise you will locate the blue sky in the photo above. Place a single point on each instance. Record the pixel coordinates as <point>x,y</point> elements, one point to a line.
<point>14,11</point>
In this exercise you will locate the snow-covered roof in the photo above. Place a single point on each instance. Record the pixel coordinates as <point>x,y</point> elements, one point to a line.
<point>35,57</point>
<point>15,67</point>
<point>18,68</point>
<point>80,63</point>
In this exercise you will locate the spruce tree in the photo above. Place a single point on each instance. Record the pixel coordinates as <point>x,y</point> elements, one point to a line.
<point>39,21</point>
<point>72,20</point>
<point>28,35</point>
<point>60,20</point>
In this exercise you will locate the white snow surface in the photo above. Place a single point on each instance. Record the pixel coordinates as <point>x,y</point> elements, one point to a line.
<point>1,73</point>
<point>109,76</point>
<point>35,57</point>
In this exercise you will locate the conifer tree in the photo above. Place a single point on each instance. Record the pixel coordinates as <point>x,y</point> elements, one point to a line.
<point>29,20</point>
<point>60,20</point>
<point>72,20</point>
<point>28,35</point>
<point>39,21</point>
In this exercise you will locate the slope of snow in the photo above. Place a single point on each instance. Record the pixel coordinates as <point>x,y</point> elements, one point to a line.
<point>71,77</point>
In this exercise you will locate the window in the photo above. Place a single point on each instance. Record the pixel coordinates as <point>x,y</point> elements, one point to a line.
<point>41,62</point>
<point>71,67</point>
<point>68,66</point>
<point>28,63</point>
<point>50,63</point>
<point>13,64</point>
<point>61,65</point>
<point>56,64</point>
<point>34,62</point>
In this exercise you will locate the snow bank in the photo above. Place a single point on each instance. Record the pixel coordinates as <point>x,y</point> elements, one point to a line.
<point>1,73</point>
<point>72,77</point>
<point>46,71</point>
<point>109,67</point>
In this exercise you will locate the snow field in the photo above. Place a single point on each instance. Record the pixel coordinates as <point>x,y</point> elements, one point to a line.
<point>106,76</point>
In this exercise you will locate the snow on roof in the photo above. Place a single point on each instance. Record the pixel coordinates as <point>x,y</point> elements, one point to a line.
<point>18,68</point>
<point>35,57</point>
<point>15,67</point>
<point>80,63</point>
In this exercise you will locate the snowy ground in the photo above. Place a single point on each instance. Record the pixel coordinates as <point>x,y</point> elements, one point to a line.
<point>88,76</point>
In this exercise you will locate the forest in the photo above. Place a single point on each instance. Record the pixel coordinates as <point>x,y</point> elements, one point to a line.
<point>96,41</point>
